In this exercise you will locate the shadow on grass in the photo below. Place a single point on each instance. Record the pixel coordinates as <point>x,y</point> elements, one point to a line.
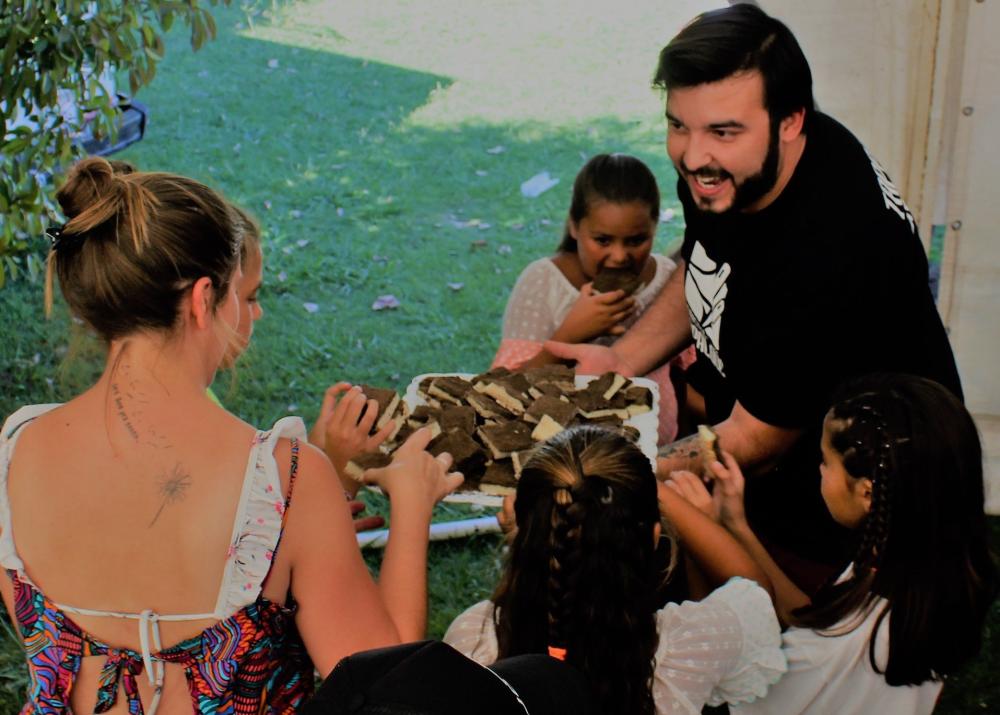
<point>357,201</point>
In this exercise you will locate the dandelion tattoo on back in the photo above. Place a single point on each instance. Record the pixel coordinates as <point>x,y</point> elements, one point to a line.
<point>173,486</point>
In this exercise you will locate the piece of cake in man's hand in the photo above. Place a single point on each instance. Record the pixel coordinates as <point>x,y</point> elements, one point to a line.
<point>708,445</point>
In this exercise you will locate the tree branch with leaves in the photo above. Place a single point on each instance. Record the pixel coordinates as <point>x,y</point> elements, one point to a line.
<point>55,58</point>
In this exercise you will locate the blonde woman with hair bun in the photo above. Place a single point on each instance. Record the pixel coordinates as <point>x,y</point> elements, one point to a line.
<point>162,555</point>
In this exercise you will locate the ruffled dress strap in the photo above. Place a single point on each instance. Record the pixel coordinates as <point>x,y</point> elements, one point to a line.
<point>9,559</point>
<point>259,520</point>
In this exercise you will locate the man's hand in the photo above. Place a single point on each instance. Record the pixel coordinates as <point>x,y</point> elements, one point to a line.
<point>590,359</point>
<point>754,444</point>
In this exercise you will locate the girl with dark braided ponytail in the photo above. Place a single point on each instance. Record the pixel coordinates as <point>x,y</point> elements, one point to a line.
<point>581,579</point>
<point>902,466</point>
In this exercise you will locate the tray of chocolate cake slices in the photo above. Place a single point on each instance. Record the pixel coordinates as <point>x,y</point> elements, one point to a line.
<point>491,422</point>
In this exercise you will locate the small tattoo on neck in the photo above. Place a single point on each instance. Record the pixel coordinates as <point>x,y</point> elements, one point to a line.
<point>118,398</point>
<point>129,398</point>
<point>173,486</point>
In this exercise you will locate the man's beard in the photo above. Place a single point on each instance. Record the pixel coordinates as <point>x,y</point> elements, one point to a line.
<point>752,188</point>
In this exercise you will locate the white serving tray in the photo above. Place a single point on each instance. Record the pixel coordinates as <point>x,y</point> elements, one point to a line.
<point>646,423</point>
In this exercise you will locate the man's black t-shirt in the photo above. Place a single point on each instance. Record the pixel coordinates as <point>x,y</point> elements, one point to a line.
<point>826,283</point>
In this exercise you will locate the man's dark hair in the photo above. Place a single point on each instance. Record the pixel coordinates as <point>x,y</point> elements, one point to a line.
<point>740,38</point>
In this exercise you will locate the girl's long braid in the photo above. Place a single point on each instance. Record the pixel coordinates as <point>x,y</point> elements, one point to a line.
<point>874,453</point>
<point>581,578</point>
<point>861,436</point>
<point>564,560</point>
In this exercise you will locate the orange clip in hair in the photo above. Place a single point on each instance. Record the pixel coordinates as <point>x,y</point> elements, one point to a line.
<point>557,653</point>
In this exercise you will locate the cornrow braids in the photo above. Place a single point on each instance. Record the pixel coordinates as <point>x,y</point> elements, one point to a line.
<point>923,557</point>
<point>870,451</point>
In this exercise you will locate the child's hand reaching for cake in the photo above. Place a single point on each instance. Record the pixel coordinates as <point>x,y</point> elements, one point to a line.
<point>415,480</point>
<point>728,492</point>
<point>693,489</point>
<point>343,428</point>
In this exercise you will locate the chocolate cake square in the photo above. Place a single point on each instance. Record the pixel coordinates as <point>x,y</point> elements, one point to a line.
<point>638,395</point>
<point>487,408</point>
<point>558,374</point>
<point>469,458</point>
<point>499,478</point>
<point>449,389</point>
<point>558,409</point>
<point>611,419</point>
<point>505,438</point>
<point>591,401</point>
<point>506,396</point>
<point>638,400</point>
<point>461,417</point>
<point>599,385</point>
<point>552,389</point>
<point>609,279</point>
<point>491,374</point>
<point>422,414</point>
<point>545,429</point>
<point>388,402</point>
<point>424,386</point>
<point>366,460</point>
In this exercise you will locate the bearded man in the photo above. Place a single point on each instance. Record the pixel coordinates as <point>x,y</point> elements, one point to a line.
<point>802,268</point>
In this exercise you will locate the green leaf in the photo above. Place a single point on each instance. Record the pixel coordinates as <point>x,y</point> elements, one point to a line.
<point>210,22</point>
<point>16,146</point>
<point>197,34</point>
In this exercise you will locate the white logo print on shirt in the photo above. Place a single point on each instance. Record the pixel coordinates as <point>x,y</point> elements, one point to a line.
<point>705,290</point>
<point>890,194</point>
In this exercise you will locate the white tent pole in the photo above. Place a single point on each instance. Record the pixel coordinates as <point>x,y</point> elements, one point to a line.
<point>438,532</point>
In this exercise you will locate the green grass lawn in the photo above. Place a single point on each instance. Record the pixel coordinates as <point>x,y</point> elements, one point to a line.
<point>382,146</point>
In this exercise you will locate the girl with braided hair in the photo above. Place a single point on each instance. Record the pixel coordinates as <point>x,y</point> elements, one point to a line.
<point>581,584</point>
<point>902,466</point>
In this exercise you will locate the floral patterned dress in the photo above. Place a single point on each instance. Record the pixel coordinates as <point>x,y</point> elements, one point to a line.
<point>251,661</point>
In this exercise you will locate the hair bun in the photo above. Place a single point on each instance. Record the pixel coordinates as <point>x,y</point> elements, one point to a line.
<point>89,181</point>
